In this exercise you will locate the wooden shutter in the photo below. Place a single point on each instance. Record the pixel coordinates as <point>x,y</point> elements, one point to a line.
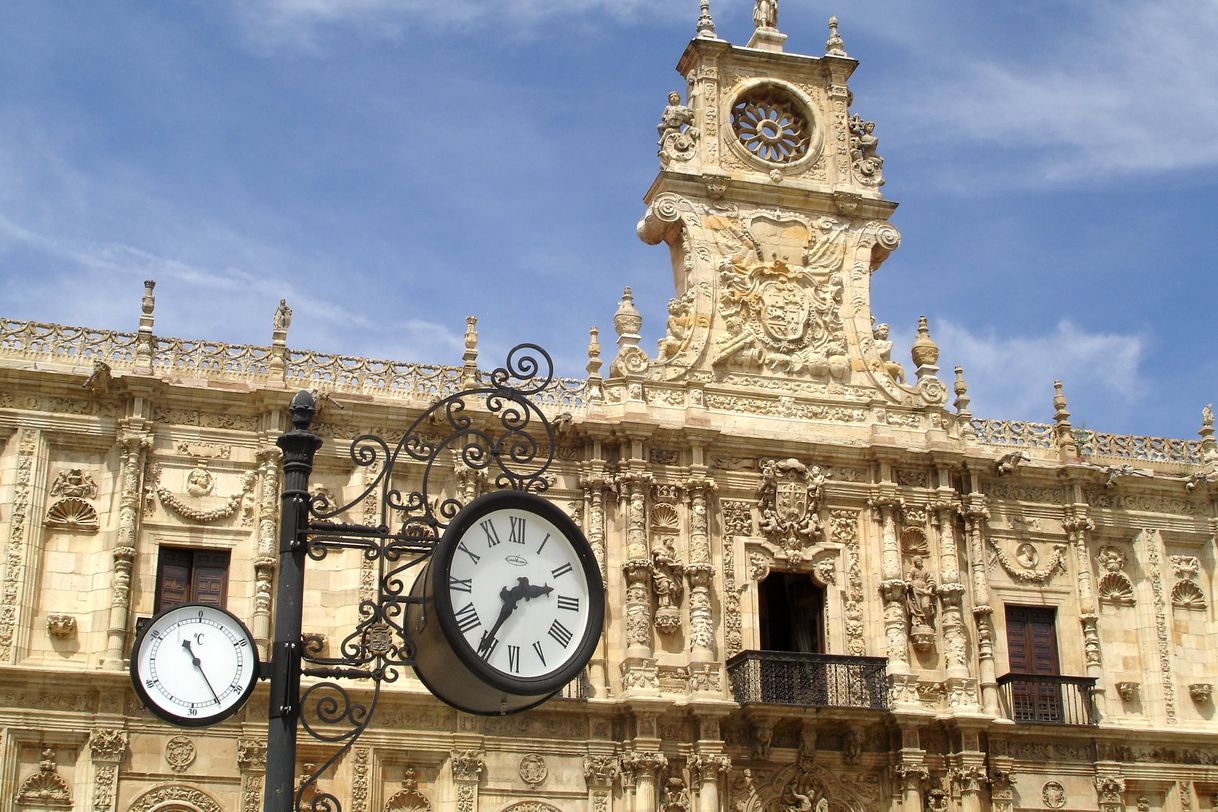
<point>210,577</point>
<point>1032,640</point>
<point>173,578</point>
<point>191,576</point>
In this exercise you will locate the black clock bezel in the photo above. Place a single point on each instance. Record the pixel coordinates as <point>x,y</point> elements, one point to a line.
<point>441,563</point>
<point>192,721</point>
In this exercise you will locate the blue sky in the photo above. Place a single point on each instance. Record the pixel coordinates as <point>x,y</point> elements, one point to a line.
<point>389,166</point>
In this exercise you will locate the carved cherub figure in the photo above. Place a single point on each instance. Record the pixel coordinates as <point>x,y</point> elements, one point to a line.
<point>883,346</point>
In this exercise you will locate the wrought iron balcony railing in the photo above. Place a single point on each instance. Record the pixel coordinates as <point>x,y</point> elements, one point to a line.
<point>808,680</point>
<point>1048,699</point>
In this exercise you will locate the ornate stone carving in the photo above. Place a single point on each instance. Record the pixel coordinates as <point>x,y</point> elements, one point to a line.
<point>676,796</point>
<point>790,499</point>
<point>780,317</point>
<point>1201,692</point>
<point>601,772</point>
<point>1023,569</point>
<point>1053,795</point>
<point>200,483</point>
<point>844,524</point>
<point>45,788</point>
<point>1154,568</point>
<point>74,482</point>
<point>1128,691</point>
<point>175,797</point>
<point>1111,789</point>
<point>408,798</point>
<point>678,135</point>
<point>868,166</point>
<point>73,514</point>
<point>106,744</point>
<point>666,578</point>
<point>467,765</point>
<point>61,626</point>
<point>1186,593</point>
<point>920,591</point>
<point>1114,585</point>
<point>14,553</point>
<point>533,770</point>
<point>179,753</point>
<point>883,347</point>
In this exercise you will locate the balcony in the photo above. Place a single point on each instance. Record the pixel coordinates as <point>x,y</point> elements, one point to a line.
<point>1053,700</point>
<point>808,680</point>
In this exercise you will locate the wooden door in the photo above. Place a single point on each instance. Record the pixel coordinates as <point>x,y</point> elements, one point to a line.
<point>1032,651</point>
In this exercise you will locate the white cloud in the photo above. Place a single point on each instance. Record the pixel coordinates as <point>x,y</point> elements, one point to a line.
<point>1011,376</point>
<point>1126,88</point>
<point>297,23</point>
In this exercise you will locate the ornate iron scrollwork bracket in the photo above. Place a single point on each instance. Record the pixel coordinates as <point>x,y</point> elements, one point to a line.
<point>494,429</point>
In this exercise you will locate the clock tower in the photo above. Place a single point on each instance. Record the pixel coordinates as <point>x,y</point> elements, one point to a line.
<point>769,197</point>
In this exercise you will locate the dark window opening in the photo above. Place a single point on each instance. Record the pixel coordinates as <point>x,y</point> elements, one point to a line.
<point>191,576</point>
<point>792,614</point>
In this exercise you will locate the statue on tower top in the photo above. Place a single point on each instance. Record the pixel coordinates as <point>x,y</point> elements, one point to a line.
<point>765,14</point>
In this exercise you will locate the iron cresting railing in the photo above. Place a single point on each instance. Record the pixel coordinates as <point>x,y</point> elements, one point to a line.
<point>808,680</point>
<point>1048,699</point>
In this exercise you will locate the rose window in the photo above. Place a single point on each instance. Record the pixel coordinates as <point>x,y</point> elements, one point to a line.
<point>771,125</point>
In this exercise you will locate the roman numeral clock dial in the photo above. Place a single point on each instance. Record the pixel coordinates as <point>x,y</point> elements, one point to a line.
<point>516,601</point>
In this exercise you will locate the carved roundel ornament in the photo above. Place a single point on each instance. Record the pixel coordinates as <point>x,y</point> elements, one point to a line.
<point>510,606</point>
<point>772,125</point>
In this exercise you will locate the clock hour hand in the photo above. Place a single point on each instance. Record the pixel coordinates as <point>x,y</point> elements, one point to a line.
<point>530,591</point>
<point>199,665</point>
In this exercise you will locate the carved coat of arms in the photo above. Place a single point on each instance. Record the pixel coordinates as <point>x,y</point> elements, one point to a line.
<point>790,497</point>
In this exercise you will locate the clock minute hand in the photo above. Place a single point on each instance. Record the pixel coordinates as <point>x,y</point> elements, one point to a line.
<point>198,664</point>
<point>510,597</point>
<point>530,591</point>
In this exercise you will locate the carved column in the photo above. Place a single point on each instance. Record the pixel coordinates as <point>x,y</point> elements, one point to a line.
<point>892,588</point>
<point>106,748</point>
<point>951,592</point>
<point>1002,783</point>
<point>909,778</point>
<point>708,772</point>
<point>268,537</point>
<point>700,572</point>
<point>976,514</point>
<point>360,767</point>
<point>600,772</point>
<point>645,768</point>
<point>1077,525</point>
<point>638,668</point>
<point>467,767</point>
<point>133,447</point>
<point>594,482</point>
<point>251,761</point>
<point>969,777</point>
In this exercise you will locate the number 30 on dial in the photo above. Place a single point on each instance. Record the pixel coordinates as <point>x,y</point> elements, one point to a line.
<point>194,665</point>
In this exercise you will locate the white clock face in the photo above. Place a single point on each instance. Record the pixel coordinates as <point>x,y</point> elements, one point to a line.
<point>519,593</point>
<point>194,665</point>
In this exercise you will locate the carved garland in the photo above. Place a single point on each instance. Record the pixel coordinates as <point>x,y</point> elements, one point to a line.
<point>230,507</point>
<point>1056,563</point>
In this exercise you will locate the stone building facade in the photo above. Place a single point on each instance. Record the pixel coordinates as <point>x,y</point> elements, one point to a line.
<point>830,586</point>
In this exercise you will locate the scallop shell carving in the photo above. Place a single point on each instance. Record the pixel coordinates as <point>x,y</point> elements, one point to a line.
<point>73,513</point>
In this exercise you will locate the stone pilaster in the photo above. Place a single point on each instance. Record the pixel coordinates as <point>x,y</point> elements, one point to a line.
<point>107,746</point>
<point>594,483</point>
<point>601,773</point>
<point>976,514</point>
<point>134,444</point>
<point>645,767</point>
<point>911,774</point>
<point>1111,792</point>
<point>970,778</point>
<point>361,764</point>
<point>23,528</point>
<point>1078,525</point>
<point>467,767</point>
<point>265,559</point>
<point>700,572</point>
<point>638,667</point>
<point>892,587</point>
<point>251,762</point>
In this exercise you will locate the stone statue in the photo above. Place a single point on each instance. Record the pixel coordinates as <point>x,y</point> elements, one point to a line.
<point>920,596</point>
<point>677,131</point>
<point>283,315</point>
<point>863,146</point>
<point>680,321</point>
<point>1207,416</point>
<point>674,117</point>
<point>666,574</point>
<point>884,347</point>
<point>765,14</point>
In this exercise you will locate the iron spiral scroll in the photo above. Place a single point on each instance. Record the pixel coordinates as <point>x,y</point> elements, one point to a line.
<point>492,428</point>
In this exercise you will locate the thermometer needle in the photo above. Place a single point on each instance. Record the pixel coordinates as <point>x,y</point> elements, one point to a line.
<point>199,665</point>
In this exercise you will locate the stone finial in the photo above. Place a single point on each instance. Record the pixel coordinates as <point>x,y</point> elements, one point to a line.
<point>1067,445</point>
<point>628,322</point>
<point>961,403</point>
<point>925,351</point>
<point>145,341</point>
<point>469,358</point>
<point>594,354</point>
<point>706,25</point>
<point>835,46</point>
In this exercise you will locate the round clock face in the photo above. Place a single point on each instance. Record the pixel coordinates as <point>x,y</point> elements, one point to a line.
<point>194,665</point>
<point>518,592</point>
